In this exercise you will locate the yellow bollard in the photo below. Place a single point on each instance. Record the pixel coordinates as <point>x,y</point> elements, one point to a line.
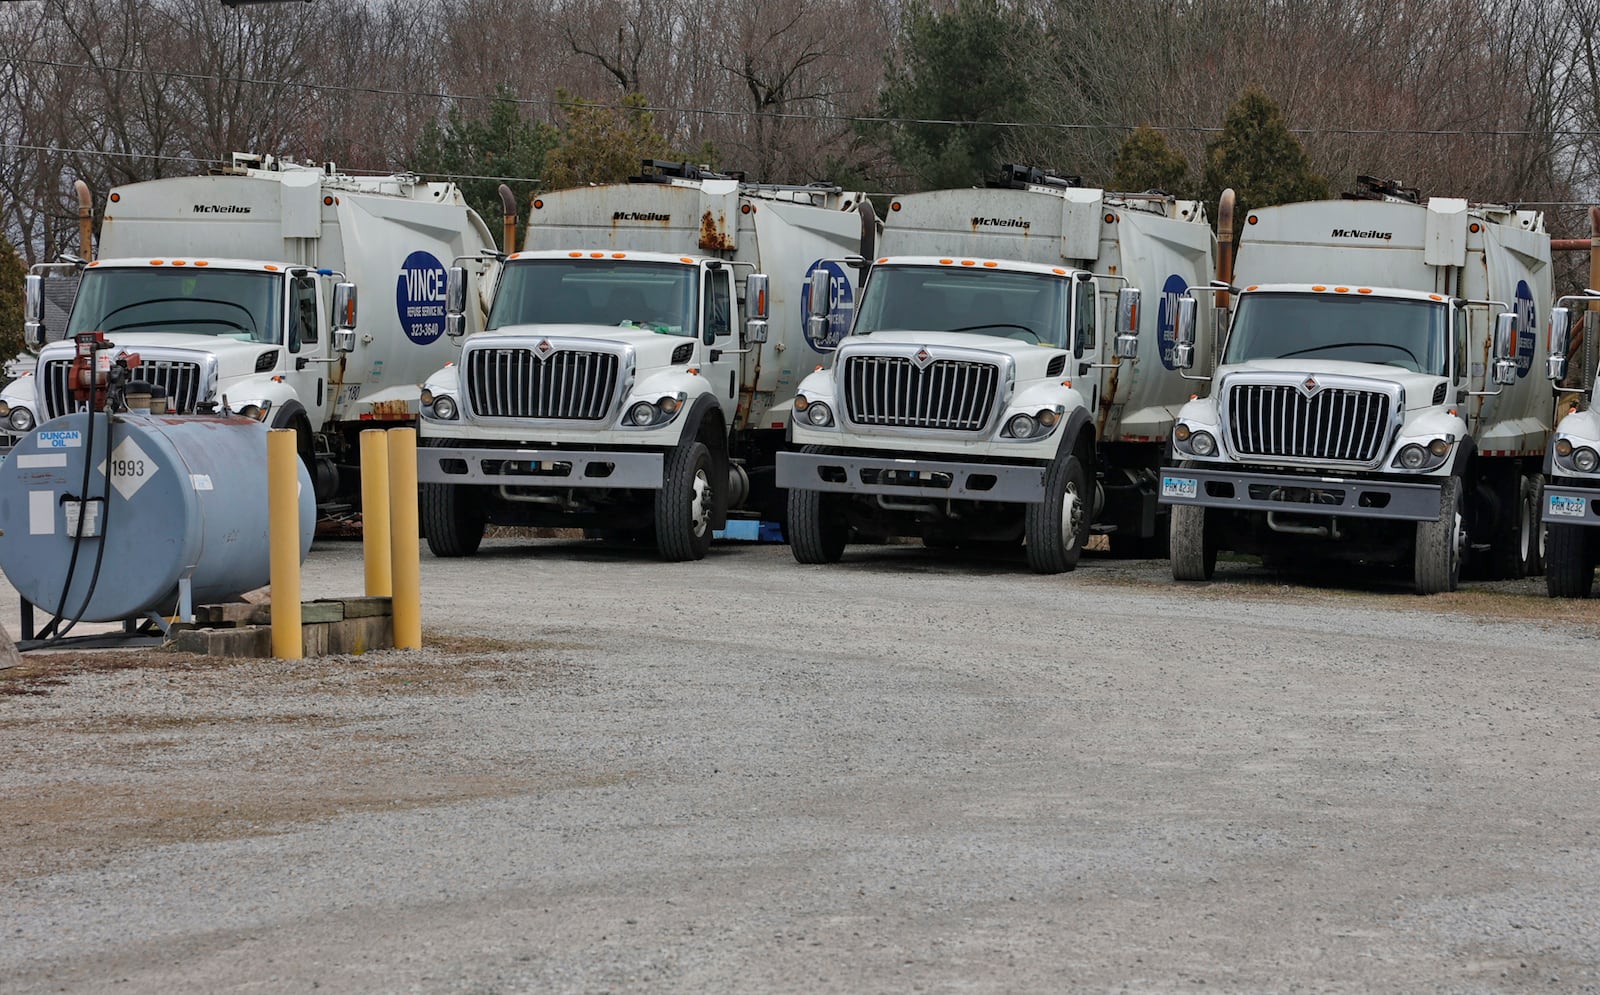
<point>405,551</point>
<point>283,523</point>
<point>375,540</point>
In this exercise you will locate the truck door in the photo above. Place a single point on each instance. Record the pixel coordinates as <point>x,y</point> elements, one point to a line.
<point>307,373</point>
<point>717,320</point>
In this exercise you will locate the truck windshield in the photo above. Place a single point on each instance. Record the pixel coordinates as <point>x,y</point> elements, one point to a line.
<point>657,296</point>
<point>218,302</point>
<point>1410,334</point>
<point>1031,307</point>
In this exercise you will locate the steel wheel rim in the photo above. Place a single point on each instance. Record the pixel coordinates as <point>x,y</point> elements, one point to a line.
<point>700,503</point>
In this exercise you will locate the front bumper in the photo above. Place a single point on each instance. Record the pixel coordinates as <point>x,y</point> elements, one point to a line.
<point>1300,495</point>
<point>540,468</point>
<point>913,478</point>
<point>1570,505</point>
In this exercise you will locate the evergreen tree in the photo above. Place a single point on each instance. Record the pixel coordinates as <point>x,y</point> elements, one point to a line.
<point>601,144</point>
<point>12,270</point>
<point>498,144</point>
<point>1145,161</point>
<point>1258,157</point>
<point>969,63</point>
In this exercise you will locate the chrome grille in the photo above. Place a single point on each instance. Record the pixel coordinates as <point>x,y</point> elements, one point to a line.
<point>892,392</point>
<point>1331,424</point>
<point>181,381</point>
<point>513,383</point>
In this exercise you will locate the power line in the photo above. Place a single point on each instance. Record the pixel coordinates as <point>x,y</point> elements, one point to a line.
<point>796,115</point>
<point>198,162</point>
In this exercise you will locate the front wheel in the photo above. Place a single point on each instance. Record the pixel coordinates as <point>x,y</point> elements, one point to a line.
<point>1568,564</point>
<point>684,504</point>
<point>1057,529</point>
<point>1192,549</point>
<point>819,526</point>
<point>1437,563</point>
<point>453,519</point>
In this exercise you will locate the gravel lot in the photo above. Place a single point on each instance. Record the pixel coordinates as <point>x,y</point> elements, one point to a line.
<point>910,772</point>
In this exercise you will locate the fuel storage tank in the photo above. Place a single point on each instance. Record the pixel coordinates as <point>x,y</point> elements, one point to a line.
<point>187,500</point>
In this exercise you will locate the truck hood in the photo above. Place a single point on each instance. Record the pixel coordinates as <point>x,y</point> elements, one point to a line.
<point>1419,387</point>
<point>650,349</point>
<point>1031,360</point>
<point>234,358</point>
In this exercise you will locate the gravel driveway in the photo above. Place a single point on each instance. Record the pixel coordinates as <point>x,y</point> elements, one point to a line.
<point>907,772</point>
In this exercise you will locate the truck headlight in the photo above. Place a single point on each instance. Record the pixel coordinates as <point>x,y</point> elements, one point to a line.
<point>1020,426</point>
<point>1202,443</point>
<point>642,414</point>
<point>1413,457</point>
<point>20,420</point>
<point>819,414</point>
<point>1585,460</point>
<point>444,407</point>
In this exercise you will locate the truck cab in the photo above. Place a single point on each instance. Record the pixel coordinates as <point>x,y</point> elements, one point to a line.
<point>635,359</point>
<point>1380,412</point>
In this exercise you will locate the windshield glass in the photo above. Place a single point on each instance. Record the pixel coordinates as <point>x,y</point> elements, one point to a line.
<point>1031,307</point>
<point>223,303</point>
<point>657,296</point>
<point>1409,334</point>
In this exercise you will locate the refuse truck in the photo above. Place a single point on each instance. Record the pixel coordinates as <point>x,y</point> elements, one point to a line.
<point>1570,507</point>
<point>1009,378</point>
<point>237,291</point>
<point>639,359</point>
<point>1373,403</point>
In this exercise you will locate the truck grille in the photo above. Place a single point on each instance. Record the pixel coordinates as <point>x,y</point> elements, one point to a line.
<point>1332,424</point>
<point>181,381</point>
<point>892,392</point>
<point>512,383</point>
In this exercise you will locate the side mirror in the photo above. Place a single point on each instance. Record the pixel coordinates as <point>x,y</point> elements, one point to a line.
<point>455,302</point>
<point>33,314</point>
<point>1505,338</point>
<point>1505,372</point>
<point>755,297</point>
<point>1183,331</point>
<point>1126,345</point>
<point>817,327</point>
<point>1560,332</point>
<point>819,295</point>
<point>344,305</point>
<point>755,308</point>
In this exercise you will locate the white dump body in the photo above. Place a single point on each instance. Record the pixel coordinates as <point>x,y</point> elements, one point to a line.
<point>393,236</point>
<point>1160,245</point>
<point>1443,247</point>
<point>785,232</point>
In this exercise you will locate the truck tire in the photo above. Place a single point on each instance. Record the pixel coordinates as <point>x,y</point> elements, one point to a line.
<point>819,529</point>
<point>1517,547</point>
<point>452,519</point>
<point>1193,550</point>
<point>1533,494</point>
<point>1057,529</point>
<point>1437,564</point>
<point>1569,564</point>
<point>685,504</point>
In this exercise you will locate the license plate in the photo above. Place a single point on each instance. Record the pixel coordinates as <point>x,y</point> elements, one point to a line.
<point>1180,487</point>
<point>1566,507</point>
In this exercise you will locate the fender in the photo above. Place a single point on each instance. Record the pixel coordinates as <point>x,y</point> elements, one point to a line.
<point>1072,438</point>
<point>705,406</point>
<point>286,416</point>
<point>1464,456</point>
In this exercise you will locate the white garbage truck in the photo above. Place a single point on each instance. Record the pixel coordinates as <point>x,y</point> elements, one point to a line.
<point>1373,402</point>
<point>639,360</point>
<point>237,291</point>
<point>1571,503</point>
<point>1009,377</point>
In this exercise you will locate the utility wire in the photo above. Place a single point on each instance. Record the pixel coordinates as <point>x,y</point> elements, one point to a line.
<point>197,161</point>
<point>794,115</point>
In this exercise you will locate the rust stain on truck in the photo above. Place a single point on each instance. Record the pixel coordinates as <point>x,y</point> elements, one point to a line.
<point>714,235</point>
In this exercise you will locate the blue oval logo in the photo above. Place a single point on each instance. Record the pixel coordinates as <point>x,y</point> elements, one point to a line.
<point>1527,327</point>
<point>419,297</point>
